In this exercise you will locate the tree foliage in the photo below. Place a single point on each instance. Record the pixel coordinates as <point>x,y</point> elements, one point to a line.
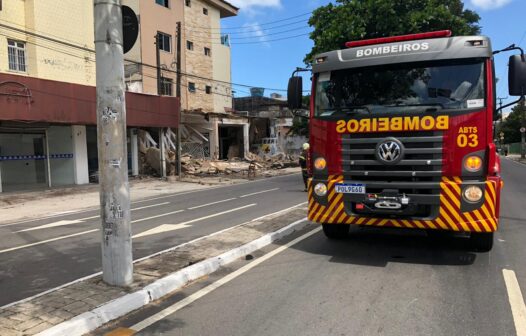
<point>511,126</point>
<point>349,20</point>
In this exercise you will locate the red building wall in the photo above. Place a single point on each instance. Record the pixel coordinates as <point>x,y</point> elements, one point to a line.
<point>37,100</point>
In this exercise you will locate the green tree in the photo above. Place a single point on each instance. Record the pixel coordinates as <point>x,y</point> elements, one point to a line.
<point>511,126</point>
<point>349,20</point>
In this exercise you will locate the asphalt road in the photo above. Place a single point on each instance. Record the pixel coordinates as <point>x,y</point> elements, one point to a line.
<point>376,282</point>
<point>38,255</point>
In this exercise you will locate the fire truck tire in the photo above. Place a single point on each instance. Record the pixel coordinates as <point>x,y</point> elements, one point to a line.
<point>336,231</point>
<point>481,241</point>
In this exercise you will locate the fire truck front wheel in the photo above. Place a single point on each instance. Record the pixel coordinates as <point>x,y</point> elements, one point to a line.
<point>481,241</point>
<point>335,231</point>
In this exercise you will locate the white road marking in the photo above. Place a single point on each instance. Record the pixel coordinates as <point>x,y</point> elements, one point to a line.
<point>212,234</point>
<point>203,205</point>
<point>141,259</point>
<point>259,192</point>
<point>47,241</point>
<point>199,294</point>
<point>207,217</point>
<point>157,216</point>
<point>161,229</point>
<point>149,206</point>
<point>51,225</point>
<point>146,200</point>
<point>79,221</point>
<point>518,308</point>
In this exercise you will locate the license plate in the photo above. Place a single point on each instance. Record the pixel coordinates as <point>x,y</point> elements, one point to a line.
<point>350,188</point>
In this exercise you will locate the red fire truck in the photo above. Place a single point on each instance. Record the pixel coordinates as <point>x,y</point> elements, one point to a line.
<point>401,135</point>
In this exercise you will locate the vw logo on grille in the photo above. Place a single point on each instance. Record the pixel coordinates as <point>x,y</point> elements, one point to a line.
<point>390,151</point>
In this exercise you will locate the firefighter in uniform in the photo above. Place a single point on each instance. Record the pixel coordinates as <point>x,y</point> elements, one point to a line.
<point>303,163</point>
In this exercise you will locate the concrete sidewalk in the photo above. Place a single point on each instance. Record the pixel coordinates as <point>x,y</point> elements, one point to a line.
<point>516,158</point>
<point>87,304</point>
<point>16,206</point>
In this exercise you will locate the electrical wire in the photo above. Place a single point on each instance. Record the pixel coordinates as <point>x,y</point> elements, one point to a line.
<point>256,29</point>
<point>262,24</point>
<point>148,65</point>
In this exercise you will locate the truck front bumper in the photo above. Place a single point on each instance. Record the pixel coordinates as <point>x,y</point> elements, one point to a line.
<point>452,213</point>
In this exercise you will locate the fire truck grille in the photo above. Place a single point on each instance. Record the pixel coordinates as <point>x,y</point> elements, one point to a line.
<point>417,174</point>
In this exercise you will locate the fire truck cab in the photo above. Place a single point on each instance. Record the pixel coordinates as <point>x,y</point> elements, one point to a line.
<point>401,135</point>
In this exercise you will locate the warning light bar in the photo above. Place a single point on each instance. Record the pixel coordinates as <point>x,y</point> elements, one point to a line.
<point>402,38</point>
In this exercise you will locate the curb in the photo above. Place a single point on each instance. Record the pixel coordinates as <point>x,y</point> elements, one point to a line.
<point>101,315</point>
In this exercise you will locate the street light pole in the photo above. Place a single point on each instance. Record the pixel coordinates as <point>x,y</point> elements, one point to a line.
<point>117,266</point>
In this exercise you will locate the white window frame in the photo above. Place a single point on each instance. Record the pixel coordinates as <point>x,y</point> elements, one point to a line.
<point>16,56</point>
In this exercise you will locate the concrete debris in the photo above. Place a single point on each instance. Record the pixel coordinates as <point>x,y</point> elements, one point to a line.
<point>250,166</point>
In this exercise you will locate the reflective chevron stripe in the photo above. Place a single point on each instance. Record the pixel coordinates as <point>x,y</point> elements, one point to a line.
<point>450,217</point>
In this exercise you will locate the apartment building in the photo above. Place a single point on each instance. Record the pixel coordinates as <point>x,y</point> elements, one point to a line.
<point>48,100</point>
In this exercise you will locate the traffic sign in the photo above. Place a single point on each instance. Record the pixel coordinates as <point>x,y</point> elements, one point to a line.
<point>523,129</point>
<point>130,28</point>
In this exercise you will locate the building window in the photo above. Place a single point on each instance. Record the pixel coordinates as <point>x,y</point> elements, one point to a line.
<point>208,89</point>
<point>205,11</point>
<point>165,42</point>
<point>208,52</point>
<point>189,45</point>
<point>225,40</point>
<point>191,87</point>
<point>166,86</point>
<point>188,3</point>
<point>16,52</point>
<point>164,3</point>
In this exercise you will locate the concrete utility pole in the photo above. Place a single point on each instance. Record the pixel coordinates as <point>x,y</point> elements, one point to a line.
<point>162,156</point>
<point>117,266</point>
<point>178,94</point>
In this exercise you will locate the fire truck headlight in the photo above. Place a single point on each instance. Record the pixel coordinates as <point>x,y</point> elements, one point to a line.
<point>473,163</point>
<point>320,189</point>
<point>320,163</point>
<point>473,194</point>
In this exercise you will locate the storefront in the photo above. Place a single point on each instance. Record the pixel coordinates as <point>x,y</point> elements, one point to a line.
<point>44,128</point>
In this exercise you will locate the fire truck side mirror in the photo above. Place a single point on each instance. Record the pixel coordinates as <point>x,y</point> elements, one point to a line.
<point>517,75</point>
<point>294,92</point>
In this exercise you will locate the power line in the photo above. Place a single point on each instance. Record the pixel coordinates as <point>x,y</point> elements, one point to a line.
<point>247,34</point>
<point>522,38</point>
<point>273,40</point>
<point>256,29</point>
<point>136,62</point>
<point>262,36</point>
<point>255,25</point>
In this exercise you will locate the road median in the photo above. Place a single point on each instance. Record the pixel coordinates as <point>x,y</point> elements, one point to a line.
<point>84,305</point>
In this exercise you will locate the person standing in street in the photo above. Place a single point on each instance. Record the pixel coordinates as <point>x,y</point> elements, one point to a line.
<point>303,164</point>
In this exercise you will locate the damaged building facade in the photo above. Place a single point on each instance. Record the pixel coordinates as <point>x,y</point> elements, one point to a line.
<point>209,129</point>
<point>47,90</point>
<point>270,123</point>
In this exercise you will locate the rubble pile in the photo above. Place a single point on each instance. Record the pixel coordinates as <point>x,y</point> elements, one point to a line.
<point>251,165</point>
<point>237,166</point>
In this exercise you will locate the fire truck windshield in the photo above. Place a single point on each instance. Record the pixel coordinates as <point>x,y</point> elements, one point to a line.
<point>401,88</point>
